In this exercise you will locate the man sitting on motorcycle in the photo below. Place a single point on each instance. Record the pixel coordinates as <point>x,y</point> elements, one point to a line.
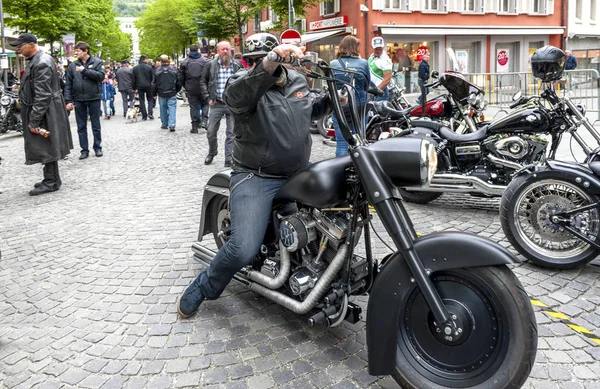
<point>273,109</point>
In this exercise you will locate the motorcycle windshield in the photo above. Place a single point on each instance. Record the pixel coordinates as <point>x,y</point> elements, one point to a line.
<point>458,87</point>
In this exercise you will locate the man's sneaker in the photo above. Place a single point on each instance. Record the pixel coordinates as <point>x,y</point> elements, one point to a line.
<point>194,130</point>
<point>172,129</point>
<point>163,127</point>
<point>190,300</point>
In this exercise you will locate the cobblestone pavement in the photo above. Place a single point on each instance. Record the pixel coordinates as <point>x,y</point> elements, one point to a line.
<point>90,274</point>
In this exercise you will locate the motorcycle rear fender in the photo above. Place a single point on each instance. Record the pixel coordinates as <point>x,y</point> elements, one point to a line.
<point>216,187</point>
<point>438,251</point>
<point>573,172</point>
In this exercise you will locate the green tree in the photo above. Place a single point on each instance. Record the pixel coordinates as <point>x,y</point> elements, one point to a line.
<point>164,27</point>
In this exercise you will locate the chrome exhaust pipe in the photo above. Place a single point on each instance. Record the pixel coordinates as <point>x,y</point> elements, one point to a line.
<point>206,255</point>
<point>315,295</point>
<point>456,183</point>
<point>285,264</point>
<point>505,163</point>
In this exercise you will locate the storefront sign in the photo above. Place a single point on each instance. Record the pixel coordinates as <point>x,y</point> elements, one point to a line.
<point>422,51</point>
<point>462,57</point>
<point>328,23</point>
<point>502,61</point>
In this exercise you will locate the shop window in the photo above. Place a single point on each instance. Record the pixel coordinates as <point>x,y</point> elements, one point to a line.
<point>400,5</point>
<point>329,7</point>
<point>508,6</point>
<point>435,5</point>
<point>473,5</point>
<point>579,9</point>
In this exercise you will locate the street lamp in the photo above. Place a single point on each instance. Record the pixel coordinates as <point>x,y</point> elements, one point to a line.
<point>3,56</point>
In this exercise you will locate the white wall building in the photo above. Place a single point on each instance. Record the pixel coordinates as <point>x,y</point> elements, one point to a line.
<point>128,27</point>
<point>583,28</point>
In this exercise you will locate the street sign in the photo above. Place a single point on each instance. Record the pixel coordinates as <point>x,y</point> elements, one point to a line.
<point>291,37</point>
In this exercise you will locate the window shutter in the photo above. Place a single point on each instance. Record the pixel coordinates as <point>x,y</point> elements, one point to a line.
<point>336,6</point>
<point>549,5</point>
<point>378,5</point>
<point>522,7</point>
<point>454,6</point>
<point>321,8</point>
<point>491,6</point>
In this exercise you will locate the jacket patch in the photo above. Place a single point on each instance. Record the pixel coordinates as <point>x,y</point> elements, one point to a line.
<point>299,94</point>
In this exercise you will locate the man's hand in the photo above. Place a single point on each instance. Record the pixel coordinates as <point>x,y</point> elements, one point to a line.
<point>211,102</point>
<point>286,50</point>
<point>34,130</point>
<point>70,106</point>
<point>79,68</point>
<point>112,99</point>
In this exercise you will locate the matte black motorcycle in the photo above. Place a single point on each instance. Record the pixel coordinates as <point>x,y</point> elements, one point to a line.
<point>10,111</point>
<point>551,212</point>
<point>444,311</point>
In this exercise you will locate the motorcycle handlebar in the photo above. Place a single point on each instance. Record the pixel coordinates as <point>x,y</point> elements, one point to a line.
<point>274,57</point>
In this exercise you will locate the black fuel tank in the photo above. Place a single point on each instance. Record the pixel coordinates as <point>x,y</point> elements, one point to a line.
<point>524,120</point>
<point>320,185</point>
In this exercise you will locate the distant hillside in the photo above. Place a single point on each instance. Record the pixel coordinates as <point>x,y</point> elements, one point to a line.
<point>129,7</point>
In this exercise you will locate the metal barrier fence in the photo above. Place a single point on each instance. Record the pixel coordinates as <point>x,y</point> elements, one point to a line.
<point>582,86</point>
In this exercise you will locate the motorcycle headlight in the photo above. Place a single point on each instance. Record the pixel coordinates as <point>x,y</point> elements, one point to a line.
<point>429,162</point>
<point>5,100</point>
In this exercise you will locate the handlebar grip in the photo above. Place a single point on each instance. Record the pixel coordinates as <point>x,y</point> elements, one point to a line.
<point>515,104</point>
<point>274,57</point>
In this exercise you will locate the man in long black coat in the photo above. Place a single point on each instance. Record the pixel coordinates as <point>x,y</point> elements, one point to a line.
<point>43,107</point>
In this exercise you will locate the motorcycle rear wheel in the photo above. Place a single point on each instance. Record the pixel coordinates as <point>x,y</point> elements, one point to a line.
<point>418,197</point>
<point>220,220</point>
<point>324,124</point>
<point>525,210</point>
<point>496,348</point>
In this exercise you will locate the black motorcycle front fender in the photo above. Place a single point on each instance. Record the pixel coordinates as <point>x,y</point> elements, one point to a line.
<point>572,171</point>
<point>438,251</point>
<point>216,187</point>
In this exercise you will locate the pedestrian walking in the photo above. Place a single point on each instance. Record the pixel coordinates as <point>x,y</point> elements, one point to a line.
<point>423,78</point>
<point>215,76</point>
<point>381,67</point>
<point>124,77</point>
<point>45,121</point>
<point>108,96</point>
<point>166,85</point>
<point>143,77</point>
<point>190,73</point>
<point>83,92</point>
<point>571,63</point>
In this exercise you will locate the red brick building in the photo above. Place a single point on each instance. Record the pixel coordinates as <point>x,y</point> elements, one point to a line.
<point>480,31</point>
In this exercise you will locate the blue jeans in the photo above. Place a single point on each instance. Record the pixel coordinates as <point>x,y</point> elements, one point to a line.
<point>341,146</point>
<point>250,206</point>
<point>167,105</point>
<point>424,92</point>
<point>107,110</point>
<point>82,110</point>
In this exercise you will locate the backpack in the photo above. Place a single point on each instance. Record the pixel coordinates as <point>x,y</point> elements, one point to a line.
<point>194,68</point>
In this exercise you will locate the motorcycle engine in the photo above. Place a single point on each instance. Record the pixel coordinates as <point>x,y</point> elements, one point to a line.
<point>313,238</point>
<point>518,148</point>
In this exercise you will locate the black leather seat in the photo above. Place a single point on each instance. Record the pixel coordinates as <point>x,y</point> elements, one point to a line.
<point>386,110</point>
<point>452,136</point>
<point>429,124</point>
<point>595,167</point>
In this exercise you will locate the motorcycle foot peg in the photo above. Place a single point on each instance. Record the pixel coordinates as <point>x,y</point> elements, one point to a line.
<point>322,316</point>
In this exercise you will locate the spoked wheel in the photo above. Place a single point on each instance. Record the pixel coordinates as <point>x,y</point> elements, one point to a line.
<point>493,346</point>
<point>527,211</point>
<point>220,221</point>
<point>324,124</point>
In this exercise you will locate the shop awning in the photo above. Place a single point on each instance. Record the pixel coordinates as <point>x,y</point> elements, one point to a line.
<point>387,29</point>
<point>315,36</point>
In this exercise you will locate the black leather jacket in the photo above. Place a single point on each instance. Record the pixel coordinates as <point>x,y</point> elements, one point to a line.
<point>272,122</point>
<point>208,81</point>
<point>85,85</point>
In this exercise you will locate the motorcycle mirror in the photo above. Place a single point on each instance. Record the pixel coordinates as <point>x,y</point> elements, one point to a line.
<point>517,96</point>
<point>452,58</point>
<point>435,74</point>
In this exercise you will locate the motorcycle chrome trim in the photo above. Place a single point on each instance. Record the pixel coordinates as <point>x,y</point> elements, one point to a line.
<point>284,271</point>
<point>457,183</point>
<point>316,294</point>
<point>217,190</point>
<point>504,162</point>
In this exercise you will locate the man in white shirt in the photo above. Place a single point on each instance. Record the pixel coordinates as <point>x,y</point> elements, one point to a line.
<point>380,66</point>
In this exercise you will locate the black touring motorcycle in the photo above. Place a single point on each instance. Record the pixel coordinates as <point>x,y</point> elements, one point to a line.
<point>445,311</point>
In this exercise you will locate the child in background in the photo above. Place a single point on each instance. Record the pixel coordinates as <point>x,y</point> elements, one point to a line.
<point>108,97</point>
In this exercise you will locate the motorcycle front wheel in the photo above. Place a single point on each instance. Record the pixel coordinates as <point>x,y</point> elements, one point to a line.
<point>495,342</point>
<point>525,214</point>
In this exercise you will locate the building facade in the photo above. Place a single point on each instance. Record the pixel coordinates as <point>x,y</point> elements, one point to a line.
<point>583,33</point>
<point>128,26</point>
<point>488,36</point>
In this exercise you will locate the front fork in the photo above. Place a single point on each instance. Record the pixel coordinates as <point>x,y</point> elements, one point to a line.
<point>563,219</point>
<point>397,222</point>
